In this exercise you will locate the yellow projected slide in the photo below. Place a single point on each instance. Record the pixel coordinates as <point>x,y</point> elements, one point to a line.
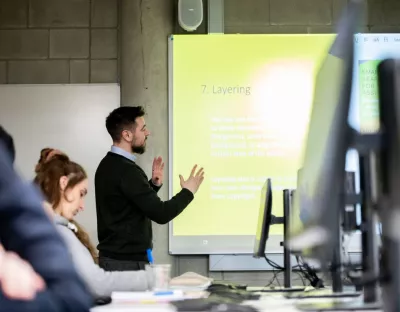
<point>240,108</point>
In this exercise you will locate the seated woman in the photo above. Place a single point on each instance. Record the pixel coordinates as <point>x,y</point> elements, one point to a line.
<point>64,183</point>
<point>45,155</point>
<point>25,231</point>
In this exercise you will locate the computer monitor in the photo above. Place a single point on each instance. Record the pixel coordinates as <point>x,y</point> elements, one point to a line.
<point>264,220</point>
<point>389,165</point>
<point>319,197</point>
<point>350,208</point>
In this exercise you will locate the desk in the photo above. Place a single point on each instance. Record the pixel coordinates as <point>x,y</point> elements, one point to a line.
<point>269,302</point>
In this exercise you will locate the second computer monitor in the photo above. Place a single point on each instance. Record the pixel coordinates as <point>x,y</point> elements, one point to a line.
<point>264,220</point>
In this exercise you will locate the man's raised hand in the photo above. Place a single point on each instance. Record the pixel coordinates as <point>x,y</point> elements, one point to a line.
<point>194,181</point>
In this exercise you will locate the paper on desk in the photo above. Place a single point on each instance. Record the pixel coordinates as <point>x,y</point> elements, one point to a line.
<point>190,281</point>
<point>134,307</point>
<point>191,288</point>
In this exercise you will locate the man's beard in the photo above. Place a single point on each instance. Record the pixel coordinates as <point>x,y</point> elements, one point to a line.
<point>139,149</point>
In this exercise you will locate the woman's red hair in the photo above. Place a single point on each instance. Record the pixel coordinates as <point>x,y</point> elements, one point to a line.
<point>48,179</point>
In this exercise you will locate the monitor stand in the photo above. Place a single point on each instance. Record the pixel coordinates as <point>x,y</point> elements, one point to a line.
<point>334,293</point>
<point>337,285</point>
<point>287,258</point>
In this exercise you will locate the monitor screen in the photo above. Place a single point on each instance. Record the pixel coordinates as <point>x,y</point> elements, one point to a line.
<point>264,219</point>
<point>319,196</point>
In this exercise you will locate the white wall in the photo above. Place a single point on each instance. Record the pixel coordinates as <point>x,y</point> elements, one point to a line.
<point>68,117</point>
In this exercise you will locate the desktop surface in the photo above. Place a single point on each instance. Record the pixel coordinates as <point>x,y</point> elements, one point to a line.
<point>211,304</point>
<point>339,305</point>
<point>225,301</point>
<point>321,293</point>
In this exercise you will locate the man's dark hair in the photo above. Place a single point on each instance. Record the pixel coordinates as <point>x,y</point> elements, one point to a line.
<point>8,142</point>
<point>122,118</point>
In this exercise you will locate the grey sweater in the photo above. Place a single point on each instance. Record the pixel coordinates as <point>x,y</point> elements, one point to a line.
<point>98,281</point>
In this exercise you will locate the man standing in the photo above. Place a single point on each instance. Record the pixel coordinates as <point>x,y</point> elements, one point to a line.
<point>126,201</point>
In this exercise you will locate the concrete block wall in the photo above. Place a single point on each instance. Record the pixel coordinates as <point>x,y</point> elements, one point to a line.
<point>305,16</point>
<point>58,41</point>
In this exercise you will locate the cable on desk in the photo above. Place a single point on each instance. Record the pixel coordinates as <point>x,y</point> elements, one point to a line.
<point>309,273</point>
<point>276,269</point>
<point>306,272</point>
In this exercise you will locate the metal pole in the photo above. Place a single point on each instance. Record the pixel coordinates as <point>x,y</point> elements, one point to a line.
<point>287,263</point>
<point>216,17</point>
<point>370,259</point>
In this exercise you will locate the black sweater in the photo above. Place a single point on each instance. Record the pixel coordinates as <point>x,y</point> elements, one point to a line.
<point>126,203</point>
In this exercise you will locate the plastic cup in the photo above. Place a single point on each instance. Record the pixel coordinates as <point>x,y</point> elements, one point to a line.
<point>161,274</point>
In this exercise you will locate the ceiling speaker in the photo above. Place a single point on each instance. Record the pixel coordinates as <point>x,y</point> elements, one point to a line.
<point>190,14</point>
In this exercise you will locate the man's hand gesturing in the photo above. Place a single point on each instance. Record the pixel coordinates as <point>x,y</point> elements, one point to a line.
<point>194,181</point>
<point>157,176</point>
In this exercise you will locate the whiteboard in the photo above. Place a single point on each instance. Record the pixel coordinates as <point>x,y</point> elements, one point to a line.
<point>204,227</point>
<point>68,117</point>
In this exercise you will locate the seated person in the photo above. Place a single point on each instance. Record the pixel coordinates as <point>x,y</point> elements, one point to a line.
<point>26,231</point>
<point>45,155</point>
<point>64,184</point>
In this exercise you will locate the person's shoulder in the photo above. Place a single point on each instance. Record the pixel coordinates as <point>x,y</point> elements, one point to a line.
<point>74,245</point>
<point>63,230</point>
<point>113,159</point>
<point>102,162</point>
<point>107,157</point>
<point>67,234</point>
<point>109,163</point>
